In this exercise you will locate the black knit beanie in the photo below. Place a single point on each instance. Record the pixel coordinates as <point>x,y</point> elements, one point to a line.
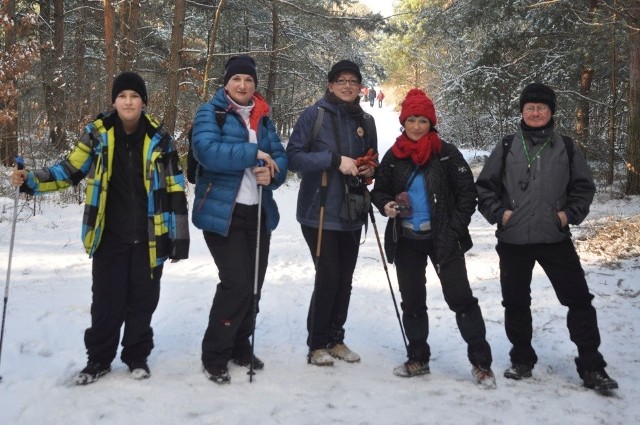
<point>343,65</point>
<point>538,93</point>
<point>129,81</point>
<point>241,64</point>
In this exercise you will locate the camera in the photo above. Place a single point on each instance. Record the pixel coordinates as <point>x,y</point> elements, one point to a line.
<point>401,207</point>
<point>355,182</point>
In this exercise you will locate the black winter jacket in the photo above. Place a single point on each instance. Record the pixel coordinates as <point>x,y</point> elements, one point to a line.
<point>452,198</point>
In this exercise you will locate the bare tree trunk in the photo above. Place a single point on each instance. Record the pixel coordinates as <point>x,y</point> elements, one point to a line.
<point>586,79</point>
<point>612,107</point>
<point>213,36</point>
<point>177,35</point>
<point>80,100</point>
<point>59,107</point>
<point>9,127</point>
<point>51,51</point>
<point>111,49</point>
<point>129,21</point>
<point>270,93</point>
<point>633,149</point>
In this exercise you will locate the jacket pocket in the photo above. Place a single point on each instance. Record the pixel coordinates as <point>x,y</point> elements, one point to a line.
<point>204,197</point>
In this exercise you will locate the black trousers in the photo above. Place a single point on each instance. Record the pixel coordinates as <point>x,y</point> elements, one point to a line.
<point>124,292</point>
<point>411,263</point>
<point>332,289</point>
<point>562,265</point>
<point>231,316</point>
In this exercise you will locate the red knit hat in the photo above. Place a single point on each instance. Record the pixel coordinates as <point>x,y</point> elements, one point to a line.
<point>417,103</point>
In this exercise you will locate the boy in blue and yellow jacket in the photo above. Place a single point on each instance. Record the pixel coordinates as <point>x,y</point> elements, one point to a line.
<point>135,218</point>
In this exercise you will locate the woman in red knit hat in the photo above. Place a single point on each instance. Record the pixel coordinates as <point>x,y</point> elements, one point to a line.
<point>425,187</point>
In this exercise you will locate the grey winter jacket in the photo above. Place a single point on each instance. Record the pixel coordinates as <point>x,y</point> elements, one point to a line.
<point>535,197</point>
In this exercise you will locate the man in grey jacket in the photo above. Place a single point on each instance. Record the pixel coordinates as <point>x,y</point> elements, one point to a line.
<point>533,185</point>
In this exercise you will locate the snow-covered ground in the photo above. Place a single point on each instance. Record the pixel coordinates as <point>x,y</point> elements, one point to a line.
<point>48,311</point>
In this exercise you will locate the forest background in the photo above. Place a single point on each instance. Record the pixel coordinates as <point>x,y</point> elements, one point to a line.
<point>58,59</point>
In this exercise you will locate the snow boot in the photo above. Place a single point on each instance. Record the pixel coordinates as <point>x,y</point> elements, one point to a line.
<point>320,357</point>
<point>598,380</point>
<point>245,361</point>
<point>412,368</point>
<point>91,373</point>
<point>518,371</point>
<point>217,374</point>
<point>484,377</point>
<point>140,370</point>
<point>342,352</point>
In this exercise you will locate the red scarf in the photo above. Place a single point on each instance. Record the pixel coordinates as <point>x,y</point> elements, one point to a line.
<point>419,151</point>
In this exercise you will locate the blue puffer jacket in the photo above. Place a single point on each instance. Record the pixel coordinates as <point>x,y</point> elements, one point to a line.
<point>224,153</point>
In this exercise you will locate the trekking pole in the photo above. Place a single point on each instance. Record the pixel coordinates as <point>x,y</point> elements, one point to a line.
<point>20,166</point>
<point>386,270</point>
<point>323,201</point>
<point>255,279</point>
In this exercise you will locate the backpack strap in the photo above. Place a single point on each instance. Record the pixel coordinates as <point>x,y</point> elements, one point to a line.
<point>570,147</point>
<point>506,146</point>
<point>370,131</point>
<point>317,125</point>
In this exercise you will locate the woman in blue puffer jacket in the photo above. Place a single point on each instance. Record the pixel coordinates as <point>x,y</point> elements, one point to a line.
<point>240,162</point>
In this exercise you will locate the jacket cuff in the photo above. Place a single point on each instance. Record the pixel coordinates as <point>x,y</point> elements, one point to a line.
<point>335,160</point>
<point>569,216</point>
<point>499,215</point>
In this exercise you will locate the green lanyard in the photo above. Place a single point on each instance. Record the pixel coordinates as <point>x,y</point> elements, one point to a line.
<point>531,159</point>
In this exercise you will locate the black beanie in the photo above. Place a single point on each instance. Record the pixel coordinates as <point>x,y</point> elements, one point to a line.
<point>129,81</point>
<point>538,93</point>
<point>241,64</point>
<point>344,65</point>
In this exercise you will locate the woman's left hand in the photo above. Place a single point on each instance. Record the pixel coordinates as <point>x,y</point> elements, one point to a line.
<point>263,175</point>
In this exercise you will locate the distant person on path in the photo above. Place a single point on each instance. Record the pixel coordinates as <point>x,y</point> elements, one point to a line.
<point>533,190</point>
<point>380,97</point>
<point>372,96</point>
<point>425,187</point>
<point>240,162</point>
<point>364,94</point>
<point>344,135</point>
<point>129,233</point>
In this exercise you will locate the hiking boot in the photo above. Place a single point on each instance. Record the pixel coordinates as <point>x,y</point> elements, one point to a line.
<point>518,371</point>
<point>245,361</point>
<point>598,380</point>
<point>91,373</point>
<point>342,352</point>
<point>484,377</point>
<point>140,370</point>
<point>320,357</point>
<point>217,374</point>
<point>412,368</point>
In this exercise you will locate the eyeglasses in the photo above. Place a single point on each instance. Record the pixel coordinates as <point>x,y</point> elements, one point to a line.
<point>342,82</point>
<point>539,109</point>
